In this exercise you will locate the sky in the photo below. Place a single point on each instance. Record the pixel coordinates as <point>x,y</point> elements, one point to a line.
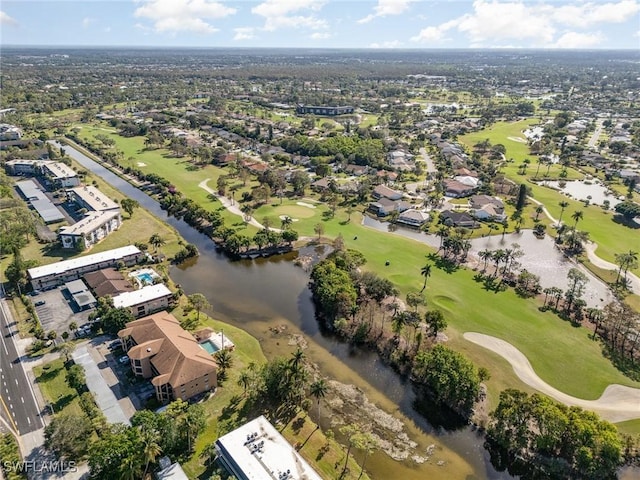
<point>376,24</point>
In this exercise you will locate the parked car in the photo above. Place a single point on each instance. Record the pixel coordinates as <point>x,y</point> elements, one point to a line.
<point>39,302</point>
<point>124,360</point>
<point>115,345</point>
<point>33,293</point>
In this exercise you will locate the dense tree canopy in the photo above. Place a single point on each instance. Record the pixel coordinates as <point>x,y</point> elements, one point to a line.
<point>574,442</point>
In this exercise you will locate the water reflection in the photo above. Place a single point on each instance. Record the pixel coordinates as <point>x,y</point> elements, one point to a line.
<point>541,257</point>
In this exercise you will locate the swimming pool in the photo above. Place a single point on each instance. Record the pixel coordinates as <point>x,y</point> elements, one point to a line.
<point>146,278</point>
<point>209,346</point>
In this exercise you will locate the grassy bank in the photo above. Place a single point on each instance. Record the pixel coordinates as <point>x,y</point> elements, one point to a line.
<point>227,410</point>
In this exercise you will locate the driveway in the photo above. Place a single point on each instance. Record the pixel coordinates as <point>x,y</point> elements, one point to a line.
<point>97,384</point>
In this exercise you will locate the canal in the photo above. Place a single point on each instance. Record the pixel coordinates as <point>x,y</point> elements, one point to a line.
<point>272,294</point>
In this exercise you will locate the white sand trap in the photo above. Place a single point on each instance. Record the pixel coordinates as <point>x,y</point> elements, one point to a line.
<point>517,139</point>
<point>141,164</point>
<point>616,404</point>
<point>282,217</point>
<point>304,204</point>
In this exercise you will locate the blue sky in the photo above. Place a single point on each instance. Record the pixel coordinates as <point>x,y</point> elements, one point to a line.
<point>403,24</point>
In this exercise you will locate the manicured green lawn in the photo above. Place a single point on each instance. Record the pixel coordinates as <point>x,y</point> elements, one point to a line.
<point>610,236</point>
<point>546,340</point>
<point>51,379</point>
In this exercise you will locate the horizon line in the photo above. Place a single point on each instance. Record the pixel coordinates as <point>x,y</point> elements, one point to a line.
<point>373,49</point>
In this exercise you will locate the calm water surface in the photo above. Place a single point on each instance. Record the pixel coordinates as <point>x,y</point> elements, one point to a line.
<point>257,295</point>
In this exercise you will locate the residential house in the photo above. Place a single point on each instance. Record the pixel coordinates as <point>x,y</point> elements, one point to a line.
<point>457,219</point>
<point>320,185</point>
<point>383,206</point>
<point>401,160</point>
<point>456,189</point>
<point>414,218</point>
<point>160,349</point>
<point>382,191</point>
<point>479,201</point>
<point>356,170</point>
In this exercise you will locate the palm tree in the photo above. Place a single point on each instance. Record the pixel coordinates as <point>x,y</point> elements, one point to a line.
<point>539,210</point>
<point>224,359</point>
<point>244,380</point>
<point>485,255</point>
<point>318,390</point>
<point>156,241</point>
<point>318,229</point>
<point>426,273</point>
<point>577,215</point>
<point>151,449</point>
<point>286,222</point>
<point>563,204</point>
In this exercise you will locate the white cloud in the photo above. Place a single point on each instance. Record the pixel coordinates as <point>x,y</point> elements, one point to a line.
<point>183,15</point>
<point>87,21</point>
<point>579,40</point>
<point>388,44</point>
<point>320,35</point>
<point>290,14</point>
<point>587,14</point>
<point>434,34</point>
<point>244,33</point>
<point>387,7</point>
<point>498,23</point>
<point>107,29</point>
<point>7,20</point>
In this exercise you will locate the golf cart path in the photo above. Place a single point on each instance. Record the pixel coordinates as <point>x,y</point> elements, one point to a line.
<point>230,205</point>
<point>616,404</point>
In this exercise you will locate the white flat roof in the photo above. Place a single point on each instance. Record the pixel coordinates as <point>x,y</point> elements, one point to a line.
<point>94,198</point>
<point>137,297</point>
<point>89,223</point>
<point>59,268</point>
<point>275,457</point>
<point>60,170</point>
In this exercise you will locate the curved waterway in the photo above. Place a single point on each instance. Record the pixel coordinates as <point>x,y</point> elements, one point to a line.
<point>265,293</point>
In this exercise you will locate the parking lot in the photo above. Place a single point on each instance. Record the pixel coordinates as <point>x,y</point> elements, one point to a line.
<point>56,312</point>
<point>137,390</point>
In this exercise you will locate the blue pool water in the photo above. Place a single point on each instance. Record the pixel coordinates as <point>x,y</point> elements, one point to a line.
<point>145,278</point>
<point>210,347</point>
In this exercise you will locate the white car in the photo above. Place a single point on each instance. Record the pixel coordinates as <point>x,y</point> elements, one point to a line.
<point>124,360</point>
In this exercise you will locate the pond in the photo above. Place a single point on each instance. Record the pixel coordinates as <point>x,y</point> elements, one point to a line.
<point>591,190</point>
<point>541,257</point>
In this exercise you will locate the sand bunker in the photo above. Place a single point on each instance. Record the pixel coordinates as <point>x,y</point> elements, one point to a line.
<point>517,139</point>
<point>141,164</point>
<point>616,404</point>
<point>304,204</point>
<point>282,217</point>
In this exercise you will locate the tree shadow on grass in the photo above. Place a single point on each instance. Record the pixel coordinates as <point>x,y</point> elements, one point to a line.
<point>63,402</point>
<point>443,264</point>
<point>48,375</point>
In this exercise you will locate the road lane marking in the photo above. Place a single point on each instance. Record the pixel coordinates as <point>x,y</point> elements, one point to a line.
<point>16,381</point>
<point>29,420</point>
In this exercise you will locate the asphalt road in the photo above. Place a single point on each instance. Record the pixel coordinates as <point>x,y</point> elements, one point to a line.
<point>18,405</point>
